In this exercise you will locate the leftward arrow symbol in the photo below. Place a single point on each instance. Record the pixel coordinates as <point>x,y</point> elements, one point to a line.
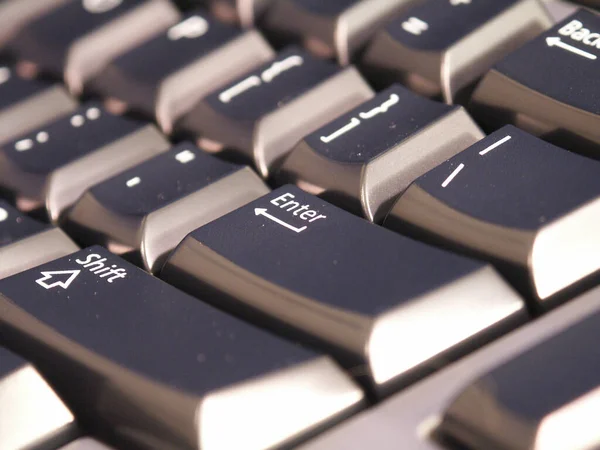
<point>64,283</point>
<point>263,212</point>
<point>557,42</point>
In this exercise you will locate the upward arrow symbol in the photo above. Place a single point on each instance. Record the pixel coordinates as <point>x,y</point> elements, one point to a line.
<point>64,283</point>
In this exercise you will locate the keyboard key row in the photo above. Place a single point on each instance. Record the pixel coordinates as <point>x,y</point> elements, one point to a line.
<point>169,70</point>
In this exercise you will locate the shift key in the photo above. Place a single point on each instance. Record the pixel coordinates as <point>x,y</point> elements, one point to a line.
<point>142,364</point>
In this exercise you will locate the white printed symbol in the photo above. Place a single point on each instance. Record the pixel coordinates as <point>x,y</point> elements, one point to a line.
<point>394,99</point>
<point>92,113</point>
<point>496,145</point>
<point>133,182</point>
<point>277,68</point>
<point>460,2</point>
<point>263,212</point>
<point>556,42</point>
<point>448,180</point>
<point>415,26</point>
<point>4,74</point>
<point>100,6</point>
<point>191,28</point>
<point>3,214</point>
<point>27,144</point>
<point>64,283</point>
<point>42,137</point>
<point>483,152</point>
<point>185,156</point>
<point>242,86</point>
<point>353,124</point>
<point>23,145</point>
<point>77,120</point>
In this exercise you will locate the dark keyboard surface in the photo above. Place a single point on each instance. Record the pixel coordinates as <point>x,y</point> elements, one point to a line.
<point>277,224</point>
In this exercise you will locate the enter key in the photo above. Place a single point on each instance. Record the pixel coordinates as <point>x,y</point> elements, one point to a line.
<point>388,308</point>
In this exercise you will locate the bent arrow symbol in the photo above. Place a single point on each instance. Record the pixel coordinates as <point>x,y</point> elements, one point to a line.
<point>556,42</point>
<point>63,284</point>
<point>263,212</point>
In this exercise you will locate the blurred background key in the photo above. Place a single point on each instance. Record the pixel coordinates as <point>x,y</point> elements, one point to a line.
<point>262,114</point>
<point>441,47</point>
<point>334,28</point>
<point>25,242</point>
<point>78,38</point>
<point>165,76</point>
<point>28,104</point>
<point>246,13</point>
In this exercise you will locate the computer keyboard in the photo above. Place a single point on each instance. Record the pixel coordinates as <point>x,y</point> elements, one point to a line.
<point>313,224</point>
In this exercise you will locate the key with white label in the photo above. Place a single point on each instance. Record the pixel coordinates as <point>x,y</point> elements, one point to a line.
<point>25,242</point>
<point>146,211</point>
<point>246,13</point>
<point>28,104</point>
<point>135,357</point>
<point>50,168</point>
<point>165,77</point>
<point>442,47</point>
<point>390,309</point>
<point>527,206</point>
<point>261,115</point>
<point>31,414</point>
<point>544,398</point>
<point>332,28</point>
<point>549,87</point>
<point>76,39</point>
<point>362,160</point>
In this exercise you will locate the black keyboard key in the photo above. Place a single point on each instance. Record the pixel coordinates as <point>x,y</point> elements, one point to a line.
<point>442,47</point>
<point>27,104</point>
<point>246,13</point>
<point>26,243</point>
<point>365,158</point>
<point>389,308</point>
<point>165,77</point>
<point>139,362</point>
<point>520,202</point>
<point>549,87</point>
<point>15,14</point>
<point>54,166</point>
<point>31,414</point>
<point>332,28</point>
<point>78,38</point>
<point>546,397</point>
<point>261,115</point>
<point>147,210</point>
